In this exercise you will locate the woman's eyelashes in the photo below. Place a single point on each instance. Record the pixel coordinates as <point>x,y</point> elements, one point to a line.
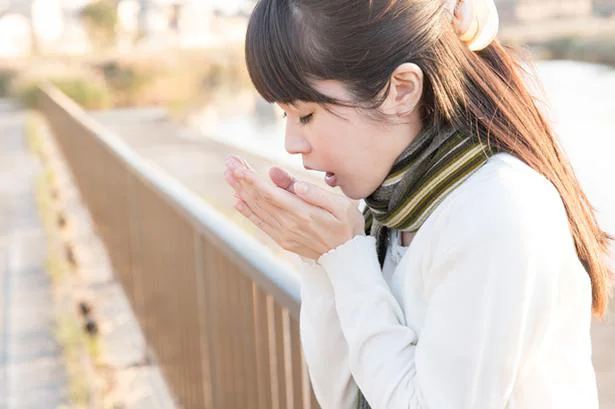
<point>304,119</point>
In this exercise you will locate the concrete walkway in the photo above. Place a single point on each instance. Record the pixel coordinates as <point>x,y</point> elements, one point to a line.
<point>32,374</point>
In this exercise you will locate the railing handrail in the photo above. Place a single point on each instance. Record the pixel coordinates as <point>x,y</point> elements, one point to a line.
<point>264,268</point>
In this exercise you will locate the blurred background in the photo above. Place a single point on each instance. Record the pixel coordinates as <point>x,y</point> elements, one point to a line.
<point>167,79</point>
<point>186,59</point>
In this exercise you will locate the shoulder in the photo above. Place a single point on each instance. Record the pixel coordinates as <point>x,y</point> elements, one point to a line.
<point>505,202</point>
<point>507,186</point>
<point>506,223</point>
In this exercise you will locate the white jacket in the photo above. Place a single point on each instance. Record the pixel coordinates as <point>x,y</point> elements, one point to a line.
<point>489,307</point>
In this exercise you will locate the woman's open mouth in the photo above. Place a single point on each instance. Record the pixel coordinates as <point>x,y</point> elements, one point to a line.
<point>331,179</point>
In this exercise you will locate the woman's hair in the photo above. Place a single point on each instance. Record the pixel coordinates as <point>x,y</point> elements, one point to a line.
<point>291,43</point>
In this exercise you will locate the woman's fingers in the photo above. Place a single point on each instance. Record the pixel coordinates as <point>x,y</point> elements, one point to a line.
<point>268,202</point>
<point>263,209</point>
<point>236,173</point>
<point>278,176</point>
<point>236,161</point>
<point>251,183</point>
<point>249,194</point>
<point>243,208</point>
<point>278,204</point>
<point>231,179</point>
<point>278,235</point>
<point>317,196</point>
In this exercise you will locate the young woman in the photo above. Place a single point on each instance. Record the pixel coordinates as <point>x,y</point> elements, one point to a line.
<point>470,279</point>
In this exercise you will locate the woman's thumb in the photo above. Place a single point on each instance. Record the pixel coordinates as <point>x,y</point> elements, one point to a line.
<point>282,179</point>
<point>318,196</point>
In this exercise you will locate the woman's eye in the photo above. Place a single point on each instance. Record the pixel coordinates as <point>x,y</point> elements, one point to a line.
<point>305,119</point>
<point>284,115</point>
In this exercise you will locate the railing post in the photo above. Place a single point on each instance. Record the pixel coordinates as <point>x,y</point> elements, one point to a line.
<point>136,290</point>
<point>204,312</point>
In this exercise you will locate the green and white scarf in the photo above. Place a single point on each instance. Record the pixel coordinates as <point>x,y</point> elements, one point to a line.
<point>432,166</point>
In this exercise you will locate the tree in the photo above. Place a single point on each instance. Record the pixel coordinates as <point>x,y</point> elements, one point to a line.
<point>100,19</point>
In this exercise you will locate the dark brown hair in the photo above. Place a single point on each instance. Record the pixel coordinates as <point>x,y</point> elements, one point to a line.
<point>291,43</point>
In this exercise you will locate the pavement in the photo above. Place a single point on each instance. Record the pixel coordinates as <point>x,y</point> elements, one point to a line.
<point>32,374</point>
<point>126,375</point>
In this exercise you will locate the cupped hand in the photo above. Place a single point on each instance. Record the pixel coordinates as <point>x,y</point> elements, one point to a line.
<point>300,216</point>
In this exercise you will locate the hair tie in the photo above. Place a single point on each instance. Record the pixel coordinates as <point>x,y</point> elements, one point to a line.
<point>476,22</point>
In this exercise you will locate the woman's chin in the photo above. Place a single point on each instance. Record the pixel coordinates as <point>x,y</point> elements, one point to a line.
<point>350,193</point>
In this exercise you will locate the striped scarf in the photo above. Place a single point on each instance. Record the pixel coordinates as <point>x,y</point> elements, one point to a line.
<point>430,167</point>
<point>434,163</point>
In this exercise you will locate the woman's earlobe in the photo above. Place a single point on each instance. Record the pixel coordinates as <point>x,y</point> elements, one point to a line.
<point>408,111</point>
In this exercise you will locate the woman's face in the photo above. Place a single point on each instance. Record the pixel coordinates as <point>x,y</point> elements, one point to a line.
<point>357,149</point>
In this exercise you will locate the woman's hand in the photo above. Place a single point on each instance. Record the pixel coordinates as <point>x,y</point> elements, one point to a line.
<point>307,222</point>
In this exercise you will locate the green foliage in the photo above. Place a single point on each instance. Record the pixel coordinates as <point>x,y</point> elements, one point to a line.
<point>88,94</point>
<point>27,94</point>
<point>6,76</point>
<point>597,50</point>
<point>32,136</point>
<point>74,347</point>
<point>560,47</point>
<point>183,81</point>
<point>100,19</point>
<point>126,81</point>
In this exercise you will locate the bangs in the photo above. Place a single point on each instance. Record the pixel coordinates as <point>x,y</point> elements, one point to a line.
<point>281,54</point>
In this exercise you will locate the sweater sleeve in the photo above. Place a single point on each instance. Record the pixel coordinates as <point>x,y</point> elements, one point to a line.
<point>324,347</point>
<point>489,284</point>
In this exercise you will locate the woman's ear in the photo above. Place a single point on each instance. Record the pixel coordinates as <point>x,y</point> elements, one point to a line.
<point>406,90</point>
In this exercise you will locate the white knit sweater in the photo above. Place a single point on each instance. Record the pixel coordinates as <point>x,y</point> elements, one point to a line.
<point>488,308</point>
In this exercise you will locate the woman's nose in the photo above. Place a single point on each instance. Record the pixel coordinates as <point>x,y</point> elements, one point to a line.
<point>295,143</point>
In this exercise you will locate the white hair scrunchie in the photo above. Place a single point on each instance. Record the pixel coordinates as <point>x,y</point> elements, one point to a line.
<point>475,21</point>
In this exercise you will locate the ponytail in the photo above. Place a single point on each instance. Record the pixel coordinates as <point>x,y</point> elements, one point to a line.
<point>500,107</point>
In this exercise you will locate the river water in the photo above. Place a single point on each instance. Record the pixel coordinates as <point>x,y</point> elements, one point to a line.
<point>579,99</point>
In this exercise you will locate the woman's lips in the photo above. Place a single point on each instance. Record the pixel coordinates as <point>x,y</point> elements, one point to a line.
<point>331,179</point>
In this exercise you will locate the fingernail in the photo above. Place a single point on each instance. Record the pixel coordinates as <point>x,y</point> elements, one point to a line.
<point>232,160</point>
<point>300,187</point>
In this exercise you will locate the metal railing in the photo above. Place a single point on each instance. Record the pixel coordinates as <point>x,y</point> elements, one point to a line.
<point>218,310</point>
